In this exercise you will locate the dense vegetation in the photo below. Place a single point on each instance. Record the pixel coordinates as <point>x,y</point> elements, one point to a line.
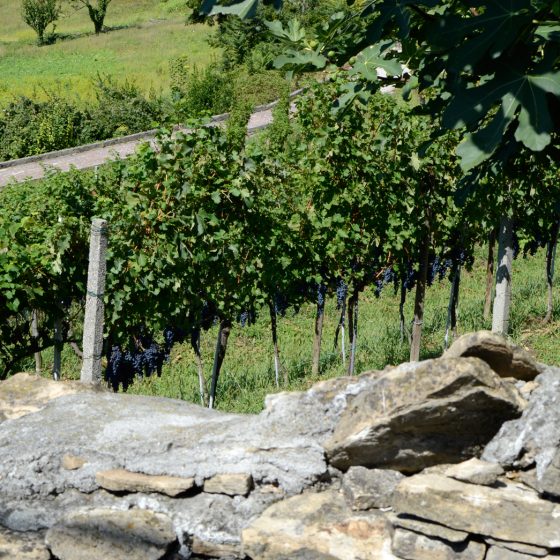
<point>211,229</point>
<point>357,192</point>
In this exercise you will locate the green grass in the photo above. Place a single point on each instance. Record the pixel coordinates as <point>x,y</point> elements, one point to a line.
<point>145,35</point>
<point>248,370</point>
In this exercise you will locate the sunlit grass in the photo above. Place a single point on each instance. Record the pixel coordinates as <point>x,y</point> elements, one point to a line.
<point>146,37</point>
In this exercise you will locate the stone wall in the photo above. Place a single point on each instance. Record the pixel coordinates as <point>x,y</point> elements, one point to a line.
<point>453,458</point>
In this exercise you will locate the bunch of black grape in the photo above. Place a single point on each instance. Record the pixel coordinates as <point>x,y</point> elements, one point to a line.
<point>388,277</point>
<point>341,293</point>
<point>321,293</point>
<point>437,268</point>
<point>281,304</point>
<point>143,357</point>
<point>409,277</point>
<point>247,317</point>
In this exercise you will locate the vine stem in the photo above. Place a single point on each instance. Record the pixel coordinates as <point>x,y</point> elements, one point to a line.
<point>219,355</point>
<point>195,343</point>
<point>550,265</point>
<point>451,325</point>
<point>273,327</point>
<point>318,334</point>
<point>353,328</point>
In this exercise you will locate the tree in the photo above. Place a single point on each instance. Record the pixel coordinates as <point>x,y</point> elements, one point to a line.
<point>492,70</point>
<point>39,14</point>
<point>97,12</point>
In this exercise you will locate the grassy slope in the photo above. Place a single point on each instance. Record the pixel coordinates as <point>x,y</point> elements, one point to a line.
<point>149,33</point>
<point>248,374</point>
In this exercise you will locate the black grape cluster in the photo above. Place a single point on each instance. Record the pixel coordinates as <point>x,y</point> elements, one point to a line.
<point>247,317</point>
<point>388,277</point>
<point>143,358</point>
<point>409,277</point>
<point>437,269</point>
<point>208,317</point>
<point>280,304</point>
<point>341,293</point>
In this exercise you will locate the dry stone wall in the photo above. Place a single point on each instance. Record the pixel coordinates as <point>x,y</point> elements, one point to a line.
<point>453,458</point>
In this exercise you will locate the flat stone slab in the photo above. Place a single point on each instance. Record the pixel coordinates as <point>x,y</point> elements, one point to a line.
<point>318,526</point>
<point>415,546</point>
<point>523,516</point>
<point>369,488</point>
<point>505,358</point>
<point>476,471</point>
<point>429,529</point>
<point>230,484</point>
<point>121,480</point>
<point>24,394</point>
<point>520,548</point>
<point>100,534</point>
<point>420,414</point>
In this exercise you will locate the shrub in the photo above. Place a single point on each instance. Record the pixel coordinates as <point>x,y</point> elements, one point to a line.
<point>120,109</point>
<point>30,127</point>
<point>200,92</point>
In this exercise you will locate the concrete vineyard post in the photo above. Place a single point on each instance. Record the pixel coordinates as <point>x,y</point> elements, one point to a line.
<point>93,322</point>
<point>502,300</point>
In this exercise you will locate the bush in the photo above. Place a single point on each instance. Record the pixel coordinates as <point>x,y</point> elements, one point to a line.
<point>30,127</point>
<point>200,92</point>
<point>259,88</point>
<point>120,109</point>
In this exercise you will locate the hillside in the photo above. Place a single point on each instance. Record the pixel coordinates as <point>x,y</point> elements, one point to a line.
<point>143,37</point>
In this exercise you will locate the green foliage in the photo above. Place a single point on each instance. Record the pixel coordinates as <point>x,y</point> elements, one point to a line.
<point>200,92</point>
<point>248,42</point>
<point>39,14</point>
<point>43,262</point>
<point>491,70</point>
<point>120,109</point>
<point>30,127</point>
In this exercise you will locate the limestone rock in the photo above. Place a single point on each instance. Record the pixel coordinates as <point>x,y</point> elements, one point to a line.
<point>534,438</point>
<point>421,414</point>
<point>414,546</point>
<point>105,533</point>
<point>505,358</point>
<point>23,394</point>
<point>475,471</point>
<point>428,529</point>
<point>22,546</point>
<point>215,550</point>
<point>72,463</point>
<point>520,548</point>
<point>498,553</point>
<point>121,480</point>
<point>231,484</point>
<point>184,440</point>
<point>369,488</point>
<point>318,526</point>
<point>508,513</point>
<point>550,482</point>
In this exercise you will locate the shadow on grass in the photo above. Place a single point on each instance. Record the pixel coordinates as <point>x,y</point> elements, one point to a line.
<point>63,37</point>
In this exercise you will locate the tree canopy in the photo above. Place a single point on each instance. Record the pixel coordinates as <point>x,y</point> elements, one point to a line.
<point>488,67</point>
